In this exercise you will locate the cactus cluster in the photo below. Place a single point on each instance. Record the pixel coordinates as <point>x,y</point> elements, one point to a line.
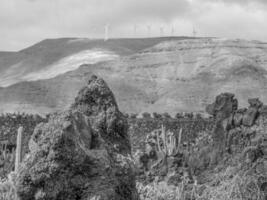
<point>167,141</point>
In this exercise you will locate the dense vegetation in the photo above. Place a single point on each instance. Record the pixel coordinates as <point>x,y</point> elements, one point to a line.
<point>186,157</point>
<point>9,124</point>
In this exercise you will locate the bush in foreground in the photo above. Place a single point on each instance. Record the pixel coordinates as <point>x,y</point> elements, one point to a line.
<point>7,188</point>
<point>232,183</point>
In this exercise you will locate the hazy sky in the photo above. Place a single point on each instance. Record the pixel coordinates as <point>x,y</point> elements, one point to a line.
<point>24,22</point>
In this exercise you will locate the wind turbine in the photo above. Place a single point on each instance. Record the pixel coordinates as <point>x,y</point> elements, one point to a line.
<point>172,31</point>
<point>194,32</point>
<point>148,30</point>
<point>135,30</point>
<point>161,30</point>
<point>106,32</point>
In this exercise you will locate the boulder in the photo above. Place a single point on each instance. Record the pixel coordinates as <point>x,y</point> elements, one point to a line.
<point>82,153</point>
<point>223,106</point>
<point>222,109</point>
<point>97,102</point>
<point>255,103</point>
<point>252,153</point>
<point>238,116</point>
<point>250,116</point>
<point>252,112</point>
<point>228,123</point>
<point>263,110</point>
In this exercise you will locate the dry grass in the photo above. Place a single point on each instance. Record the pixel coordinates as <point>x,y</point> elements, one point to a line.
<point>231,183</point>
<point>160,191</point>
<point>7,189</point>
<point>236,188</point>
<point>236,183</point>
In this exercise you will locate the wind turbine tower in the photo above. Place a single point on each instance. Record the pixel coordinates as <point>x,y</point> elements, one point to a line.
<point>135,30</point>
<point>172,31</point>
<point>148,30</point>
<point>161,30</point>
<point>194,32</point>
<point>106,32</point>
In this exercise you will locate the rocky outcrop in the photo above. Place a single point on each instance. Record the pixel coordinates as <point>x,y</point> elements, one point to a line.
<point>83,153</point>
<point>223,107</point>
<point>252,112</point>
<point>235,127</point>
<point>228,116</point>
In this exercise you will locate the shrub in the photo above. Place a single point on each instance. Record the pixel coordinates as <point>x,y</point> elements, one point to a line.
<point>230,185</point>
<point>133,116</point>
<point>166,115</point>
<point>156,115</point>
<point>7,189</point>
<point>178,116</point>
<point>198,116</point>
<point>126,115</point>
<point>146,115</point>
<point>161,191</point>
<point>189,115</point>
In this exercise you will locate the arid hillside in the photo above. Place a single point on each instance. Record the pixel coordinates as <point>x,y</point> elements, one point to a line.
<point>147,75</point>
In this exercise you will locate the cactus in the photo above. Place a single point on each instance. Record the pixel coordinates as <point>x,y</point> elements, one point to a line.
<point>170,145</point>
<point>18,148</point>
<point>180,138</point>
<point>164,139</point>
<point>158,141</point>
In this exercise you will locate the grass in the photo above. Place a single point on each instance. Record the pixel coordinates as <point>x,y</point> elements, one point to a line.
<point>237,188</point>
<point>160,191</point>
<point>7,189</point>
<point>232,183</point>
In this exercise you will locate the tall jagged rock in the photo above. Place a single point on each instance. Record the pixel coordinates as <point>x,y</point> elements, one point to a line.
<point>252,112</point>
<point>229,120</point>
<point>83,153</point>
<point>222,110</point>
<point>223,106</point>
<point>97,102</point>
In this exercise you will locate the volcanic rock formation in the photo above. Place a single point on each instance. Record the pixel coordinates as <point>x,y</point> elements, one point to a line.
<point>224,105</point>
<point>82,153</point>
<point>231,123</point>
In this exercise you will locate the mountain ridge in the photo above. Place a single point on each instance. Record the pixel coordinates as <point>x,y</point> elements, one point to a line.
<point>147,75</point>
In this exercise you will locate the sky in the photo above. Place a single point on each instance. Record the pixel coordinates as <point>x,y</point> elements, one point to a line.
<point>25,22</point>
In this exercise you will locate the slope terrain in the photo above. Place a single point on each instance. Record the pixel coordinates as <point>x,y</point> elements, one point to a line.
<point>153,74</point>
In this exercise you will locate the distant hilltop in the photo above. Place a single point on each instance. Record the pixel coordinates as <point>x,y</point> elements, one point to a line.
<point>168,74</point>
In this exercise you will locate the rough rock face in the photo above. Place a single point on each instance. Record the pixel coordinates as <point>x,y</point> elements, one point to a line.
<point>252,112</point>
<point>98,103</point>
<point>238,117</point>
<point>231,121</point>
<point>83,153</point>
<point>224,105</point>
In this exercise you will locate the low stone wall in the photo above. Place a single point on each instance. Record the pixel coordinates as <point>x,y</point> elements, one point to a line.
<point>140,128</point>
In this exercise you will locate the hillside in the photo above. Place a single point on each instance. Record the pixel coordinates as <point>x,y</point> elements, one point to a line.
<point>153,74</point>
